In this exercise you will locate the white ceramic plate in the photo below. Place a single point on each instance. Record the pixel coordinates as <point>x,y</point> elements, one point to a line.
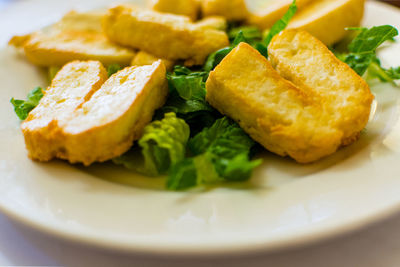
<point>284,205</point>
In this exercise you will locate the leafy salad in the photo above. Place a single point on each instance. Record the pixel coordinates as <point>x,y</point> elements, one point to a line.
<point>191,142</point>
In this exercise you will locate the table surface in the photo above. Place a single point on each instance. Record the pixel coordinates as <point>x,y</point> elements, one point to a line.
<point>375,246</point>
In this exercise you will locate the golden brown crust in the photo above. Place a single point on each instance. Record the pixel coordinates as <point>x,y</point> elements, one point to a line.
<point>162,35</point>
<point>78,36</point>
<point>73,85</point>
<point>286,116</point>
<point>345,94</point>
<point>84,119</point>
<point>116,114</point>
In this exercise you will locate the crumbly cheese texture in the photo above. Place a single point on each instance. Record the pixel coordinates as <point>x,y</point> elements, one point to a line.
<point>163,35</point>
<point>85,118</point>
<point>328,19</point>
<point>273,10</point>
<point>230,9</point>
<point>323,106</point>
<point>143,58</point>
<point>78,36</point>
<point>188,8</point>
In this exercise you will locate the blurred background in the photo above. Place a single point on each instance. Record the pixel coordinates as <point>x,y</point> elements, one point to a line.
<point>393,2</point>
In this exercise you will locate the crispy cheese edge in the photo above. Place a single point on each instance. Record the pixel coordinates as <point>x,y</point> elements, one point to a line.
<point>238,96</point>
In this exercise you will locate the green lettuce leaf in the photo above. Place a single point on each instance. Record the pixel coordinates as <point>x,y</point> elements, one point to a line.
<point>23,107</point>
<point>221,153</point>
<point>52,72</point>
<point>281,24</point>
<point>215,58</point>
<point>376,71</point>
<point>188,84</point>
<point>187,98</point>
<point>368,40</point>
<point>182,175</point>
<point>163,144</point>
<point>251,34</point>
<point>113,68</point>
<point>362,52</point>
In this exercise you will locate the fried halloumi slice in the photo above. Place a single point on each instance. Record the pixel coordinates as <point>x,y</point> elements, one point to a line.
<point>162,35</point>
<point>77,36</point>
<point>328,19</point>
<point>273,10</point>
<point>305,61</point>
<point>143,58</point>
<point>75,83</point>
<point>83,119</point>
<point>188,8</point>
<point>230,9</point>
<point>284,117</point>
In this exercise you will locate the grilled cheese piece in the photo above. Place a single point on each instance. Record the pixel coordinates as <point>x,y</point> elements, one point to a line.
<point>163,35</point>
<point>78,36</point>
<point>230,9</point>
<point>188,8</point>
<point>309,64</point>
<point>143,58</point>
<point>272,11</point>
<point>75,83</point>
<point>85,118</point>
<point>328,19</point>
<point>286,117</point>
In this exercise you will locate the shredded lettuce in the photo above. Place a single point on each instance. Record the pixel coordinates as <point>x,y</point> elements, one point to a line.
<point>220,153</point>
<point>23,107</point>
<point>163,144</point>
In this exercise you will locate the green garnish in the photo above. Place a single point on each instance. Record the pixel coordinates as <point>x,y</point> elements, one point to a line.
<point>362,52</point>
<point>252,36</point>
<point>113,68</point>
<point>187,98</point>
<point>52,72</point>
<point>279,26</point>
<point>221,153</point>
<point>163,144</point>
<point>23,107</point>
<point>215,58</point>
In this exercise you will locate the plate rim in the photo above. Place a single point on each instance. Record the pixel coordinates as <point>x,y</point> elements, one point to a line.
<point>300,240</point>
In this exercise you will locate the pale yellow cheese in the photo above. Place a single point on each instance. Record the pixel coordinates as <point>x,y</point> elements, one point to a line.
<point>328,19</point>
<point>272,11</point>
<point>163,35</point>
<point>235,10</point>
<point>84,119</point>
<point>78,36</point>
<point>188,8</point>
<point>307,108</point>
<point>143,58</point>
